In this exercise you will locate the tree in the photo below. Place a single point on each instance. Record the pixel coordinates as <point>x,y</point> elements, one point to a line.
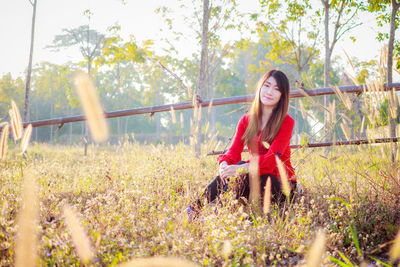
<point>10,89</point>
<point>380,7</point>
<point>342,12</point>
<point>28,75</point>
<point>90,42</point>
<point>202,72</point>
<point>207,22</point>
<point>53,93</point>
<point>119,54</point>
<point>292,38</point>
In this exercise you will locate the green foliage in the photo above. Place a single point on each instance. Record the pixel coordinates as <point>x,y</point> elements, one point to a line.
<point>10,89</point>
<point>115,51</point>
<point>382,10</point>
<point>285,46</point>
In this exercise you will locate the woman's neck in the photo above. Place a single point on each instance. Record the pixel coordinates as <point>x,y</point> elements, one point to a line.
<point>267,111</point>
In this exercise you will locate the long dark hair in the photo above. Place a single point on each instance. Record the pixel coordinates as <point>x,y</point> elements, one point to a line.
<point>278,114</point>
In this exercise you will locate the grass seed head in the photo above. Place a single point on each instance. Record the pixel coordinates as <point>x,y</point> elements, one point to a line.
<point>267,196</point>
<point>91,107</point>
<point>16,121</point>
<point>284,177</point>
<point>26,138</point>
<point>79,238</point>
<point>226,249</point>
<point>3,142</point>
<point>26,241</point>
<point>314,257</point>
<point>254,180</point>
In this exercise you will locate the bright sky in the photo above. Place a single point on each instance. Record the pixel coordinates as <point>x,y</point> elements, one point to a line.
<point>136,17</point>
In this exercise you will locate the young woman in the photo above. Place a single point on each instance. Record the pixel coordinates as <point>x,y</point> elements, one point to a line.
<point>266,131</point>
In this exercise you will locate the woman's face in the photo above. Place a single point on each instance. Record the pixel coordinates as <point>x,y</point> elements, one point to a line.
<point>269,93</point>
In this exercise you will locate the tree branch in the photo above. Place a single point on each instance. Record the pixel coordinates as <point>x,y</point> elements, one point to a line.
<point>182,84</point>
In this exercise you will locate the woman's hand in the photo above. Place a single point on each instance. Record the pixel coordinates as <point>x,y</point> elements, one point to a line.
<point>228,171</point>
<point>222,166</point>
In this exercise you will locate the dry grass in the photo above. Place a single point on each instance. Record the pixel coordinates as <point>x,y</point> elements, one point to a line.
<point>81,242</point>
<point>267,197</point>
<point>4,142</point>
<point>26,138</point>
<point>158,262</point>
<point>314,258</point>
<point>26,243</point>
<point>16,122</point>
<point>129,198</point>
<point>91,107</point>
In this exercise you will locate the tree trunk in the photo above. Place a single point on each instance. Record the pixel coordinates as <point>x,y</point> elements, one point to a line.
<point>202,72</point>
<point>86,139</point>
<point>28,75</point>
<point>395,8</point>
<point>51,127</point>
<point>327,66</point>
<point>119,107</point>
<point>70,127</point>
<point>158,126</point>
<point>126,125</point>
<point>37,118</point>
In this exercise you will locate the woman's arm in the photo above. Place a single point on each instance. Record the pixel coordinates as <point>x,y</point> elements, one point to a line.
<point>234,154</point>
<point>281,142</point>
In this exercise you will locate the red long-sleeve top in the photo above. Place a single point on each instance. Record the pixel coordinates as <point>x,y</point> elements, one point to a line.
<point>266,156</point>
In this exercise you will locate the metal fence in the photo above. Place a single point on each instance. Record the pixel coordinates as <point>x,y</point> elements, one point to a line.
<point>295,93</point>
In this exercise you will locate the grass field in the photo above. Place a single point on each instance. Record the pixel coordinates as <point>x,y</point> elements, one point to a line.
<point>129,200</point>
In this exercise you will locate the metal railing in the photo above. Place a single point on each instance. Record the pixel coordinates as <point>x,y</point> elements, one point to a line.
<point>296,93</point>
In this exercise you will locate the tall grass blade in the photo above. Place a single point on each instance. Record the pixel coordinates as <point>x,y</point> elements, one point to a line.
<point>379,261</point>
<point>79,238</point>
<point>254,180</point>
<point>394,252</point>
<point>339,262</point>
<point>355,240</point>
<point>16,120</point>
<point>12,124</point>
<point>346,260</point>
<point>91,107</point>
<point>343,97</point>
<point>3,142</point>
<point>26,242</point>
<point>349,59</point>
<point>284,177</point>
<point>210,106</point>
<point>267,196</point>
<point>26,138</point>
<point>332,110</point>
<point>182,125</point>
<point>302,109</point>
<point>173,117</point>
<point>314,257</point>
<point>345,130</point>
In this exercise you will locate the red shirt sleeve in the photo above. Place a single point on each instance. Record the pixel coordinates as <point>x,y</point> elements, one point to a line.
<point>234,154</point>
<point>267,162</point>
